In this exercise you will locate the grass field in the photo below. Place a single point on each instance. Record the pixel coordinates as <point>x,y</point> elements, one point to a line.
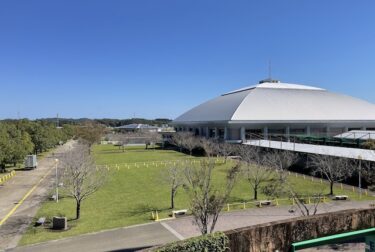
<point>132,192</point>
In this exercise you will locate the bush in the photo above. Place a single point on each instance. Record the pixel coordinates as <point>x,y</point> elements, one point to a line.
<point>371,188</point>
<point>370,144</point>
<point>206,243</point>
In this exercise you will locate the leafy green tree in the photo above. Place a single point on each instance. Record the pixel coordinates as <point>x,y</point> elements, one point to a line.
<point>21,146</point>
<point>4,146</point>
<point>15,144</point>
<point>89,133</point>
<point>19,138</point>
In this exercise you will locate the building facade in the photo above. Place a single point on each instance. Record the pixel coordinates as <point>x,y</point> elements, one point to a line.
<point>275,108</point>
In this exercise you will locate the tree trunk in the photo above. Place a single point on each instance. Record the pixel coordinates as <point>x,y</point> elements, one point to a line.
<point>78,210</point>
<point>172,199</point>
<point>331,188</point>
<point>191,152</point>
<point>204,230</point>
<point>255,193</point>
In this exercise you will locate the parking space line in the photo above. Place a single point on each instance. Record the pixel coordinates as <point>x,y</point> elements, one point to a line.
<point>170,229</point>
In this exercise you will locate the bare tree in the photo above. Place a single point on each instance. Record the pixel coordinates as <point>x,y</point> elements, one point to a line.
<point>307,204</point>
<point>152,139</point>
<point>121,139</point>
<point>334,169</point>
<point>185,140</point>
<point>80,176</point>
<point>207,201</point>
<point>254,168</point>
<point>190,142</point>
<point>178,140</point>
<point>225,150</point>
<point>209,146</point>
<point>368,172</point>
<point>175,178</point>
<point>281,161</point>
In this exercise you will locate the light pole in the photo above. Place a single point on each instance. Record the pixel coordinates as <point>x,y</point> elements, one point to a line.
<point>57,182</point>
<point>359,175</point>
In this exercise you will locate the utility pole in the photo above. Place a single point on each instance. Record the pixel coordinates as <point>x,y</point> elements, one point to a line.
<point>57,182</point>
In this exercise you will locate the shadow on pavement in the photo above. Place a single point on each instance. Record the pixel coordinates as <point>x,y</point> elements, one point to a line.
<point>130,249</point>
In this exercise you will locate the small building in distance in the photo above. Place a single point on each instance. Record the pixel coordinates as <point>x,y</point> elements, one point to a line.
<point>138,127</point>
<point>275,108</point>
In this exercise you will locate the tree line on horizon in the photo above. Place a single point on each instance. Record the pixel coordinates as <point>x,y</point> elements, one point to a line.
<point>108,122</point>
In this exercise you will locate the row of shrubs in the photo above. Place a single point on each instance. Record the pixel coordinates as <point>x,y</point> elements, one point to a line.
<point>211,242</point>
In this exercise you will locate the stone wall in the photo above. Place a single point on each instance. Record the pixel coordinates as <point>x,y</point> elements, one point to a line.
<point>281,234</point>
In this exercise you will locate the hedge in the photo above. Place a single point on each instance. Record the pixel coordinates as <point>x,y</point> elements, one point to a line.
<point>206,243</point>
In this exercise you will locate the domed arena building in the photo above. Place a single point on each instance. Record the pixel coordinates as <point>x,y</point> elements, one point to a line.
<point>276,108</point>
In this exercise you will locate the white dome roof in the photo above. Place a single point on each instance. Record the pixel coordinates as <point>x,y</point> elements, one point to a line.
<point>280,102</point>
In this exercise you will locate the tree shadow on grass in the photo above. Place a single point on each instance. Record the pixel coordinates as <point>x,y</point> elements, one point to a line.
<point>113,152</point>
<point>236,199</point>
<point>141,209</point>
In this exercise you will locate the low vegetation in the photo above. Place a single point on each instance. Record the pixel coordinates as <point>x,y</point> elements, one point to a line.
<point>218,242</point>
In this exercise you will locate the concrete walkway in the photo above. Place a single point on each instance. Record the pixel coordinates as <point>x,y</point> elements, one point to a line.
<point>20,198</point>
<point>123,239</point>
<point>255,216</point>
<point>143,236</point>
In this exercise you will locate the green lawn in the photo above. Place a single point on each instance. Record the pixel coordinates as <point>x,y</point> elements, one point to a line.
<point>131,193</point>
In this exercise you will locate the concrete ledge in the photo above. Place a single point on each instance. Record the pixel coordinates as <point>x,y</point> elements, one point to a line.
<point>280,235</point>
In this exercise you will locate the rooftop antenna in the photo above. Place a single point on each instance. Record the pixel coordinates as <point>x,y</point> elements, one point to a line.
<point>269,79</point>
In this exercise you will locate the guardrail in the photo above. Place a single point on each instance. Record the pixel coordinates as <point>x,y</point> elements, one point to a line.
<point>6,177</point>
<point>259,203</point>
<point>272,202</point>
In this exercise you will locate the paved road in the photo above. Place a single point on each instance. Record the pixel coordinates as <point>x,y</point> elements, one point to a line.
<point>20,198</point>
<point>142,236</point>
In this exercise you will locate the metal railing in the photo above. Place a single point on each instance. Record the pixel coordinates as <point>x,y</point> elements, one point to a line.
<point>268,140</point>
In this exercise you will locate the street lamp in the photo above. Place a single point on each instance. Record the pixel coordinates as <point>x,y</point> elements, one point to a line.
<point>57,182</point>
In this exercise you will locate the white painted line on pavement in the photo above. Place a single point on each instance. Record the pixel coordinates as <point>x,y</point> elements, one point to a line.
<point>170,229</point>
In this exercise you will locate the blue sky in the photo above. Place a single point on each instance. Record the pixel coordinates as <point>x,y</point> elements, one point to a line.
<point>158,58</point>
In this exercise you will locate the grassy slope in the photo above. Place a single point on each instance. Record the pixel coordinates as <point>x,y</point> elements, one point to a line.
<point>131,194</point>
